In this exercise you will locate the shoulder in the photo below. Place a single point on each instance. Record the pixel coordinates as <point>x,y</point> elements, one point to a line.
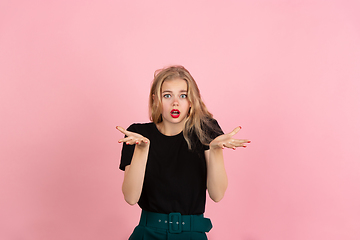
<point>141,128</point>
<point>213,127</point>
<point>214,122</point>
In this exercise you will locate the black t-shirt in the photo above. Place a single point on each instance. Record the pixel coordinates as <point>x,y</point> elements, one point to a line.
<point>175,177</point>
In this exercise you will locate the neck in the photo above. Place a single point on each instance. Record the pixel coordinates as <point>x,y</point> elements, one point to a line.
<point>170,129</point>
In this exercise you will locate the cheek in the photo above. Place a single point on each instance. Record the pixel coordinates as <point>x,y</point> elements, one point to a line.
<point>164,106</point>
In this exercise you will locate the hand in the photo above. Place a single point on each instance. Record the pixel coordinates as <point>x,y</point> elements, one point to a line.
<point>133,138</point>
<point>227,140</point>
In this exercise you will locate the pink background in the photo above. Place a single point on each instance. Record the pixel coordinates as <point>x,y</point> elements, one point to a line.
<point>287,71</point>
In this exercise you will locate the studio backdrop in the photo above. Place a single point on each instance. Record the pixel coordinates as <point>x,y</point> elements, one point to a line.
<point>287,71</point>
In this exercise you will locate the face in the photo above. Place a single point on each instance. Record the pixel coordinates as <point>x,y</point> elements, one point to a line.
<point>175,103</point>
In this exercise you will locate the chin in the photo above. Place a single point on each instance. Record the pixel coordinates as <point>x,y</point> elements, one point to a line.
<point>176,120</point>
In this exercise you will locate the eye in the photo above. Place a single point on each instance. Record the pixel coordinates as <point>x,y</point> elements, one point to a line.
<point>167,95</point>
<point>183,96</point>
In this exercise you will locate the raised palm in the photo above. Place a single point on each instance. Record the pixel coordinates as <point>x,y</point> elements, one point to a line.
<point>227,140</point>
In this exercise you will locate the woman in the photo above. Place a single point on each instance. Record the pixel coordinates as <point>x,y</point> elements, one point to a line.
<point>171,161</point>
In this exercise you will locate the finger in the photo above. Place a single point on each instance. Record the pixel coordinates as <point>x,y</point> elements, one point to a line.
<point>128,133</point>
<point>236,146</point>
<point>121,129</point>
<point>140,141</point>
<point>228,146</point>
<point>132,140</point>
<point>239,141</point>
<point>235,131</point>
<point>235,143</point>
<point>144,140</point>
<point>125,139</point>
<point>221,145</point>
<point>232,145</point>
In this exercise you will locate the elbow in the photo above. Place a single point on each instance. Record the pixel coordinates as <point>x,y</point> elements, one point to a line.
<point>217,198</point>
<point>130,201</point>
<point>130,198</point>
<point>217,195</point>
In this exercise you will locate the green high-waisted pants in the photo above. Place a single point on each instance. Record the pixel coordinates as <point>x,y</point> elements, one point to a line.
<point>173,226</point>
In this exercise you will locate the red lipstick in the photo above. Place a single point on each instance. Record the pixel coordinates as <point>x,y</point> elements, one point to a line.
<point>175,113</point>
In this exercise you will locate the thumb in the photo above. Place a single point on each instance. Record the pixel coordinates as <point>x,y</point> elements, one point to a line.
<point>121,129</point>
<point>235,131</point>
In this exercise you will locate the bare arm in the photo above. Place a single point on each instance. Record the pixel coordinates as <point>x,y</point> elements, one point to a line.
<point>135,172</point>
<point>217,181</point>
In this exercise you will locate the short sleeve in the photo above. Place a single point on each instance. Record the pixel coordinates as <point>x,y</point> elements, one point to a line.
<point>213,130</point>
<point>127,152</point>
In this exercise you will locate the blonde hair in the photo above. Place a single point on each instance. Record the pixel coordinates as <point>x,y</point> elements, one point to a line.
<point>199,120</point>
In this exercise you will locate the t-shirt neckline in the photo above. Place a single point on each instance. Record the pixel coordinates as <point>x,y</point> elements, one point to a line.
<point>160,133</point>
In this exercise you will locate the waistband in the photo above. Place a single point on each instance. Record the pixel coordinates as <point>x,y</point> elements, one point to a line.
<point>175,222</point>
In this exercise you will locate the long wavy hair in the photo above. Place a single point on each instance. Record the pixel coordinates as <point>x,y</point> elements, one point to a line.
<point>199,119</point>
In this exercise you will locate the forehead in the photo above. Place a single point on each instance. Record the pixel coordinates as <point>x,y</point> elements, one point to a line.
<point>176,84</point>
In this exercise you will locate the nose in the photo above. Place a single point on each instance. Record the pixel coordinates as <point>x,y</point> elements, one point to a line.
<point>175,102</point>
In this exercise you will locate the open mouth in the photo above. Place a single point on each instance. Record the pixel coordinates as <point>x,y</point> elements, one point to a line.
<point>175,113</point>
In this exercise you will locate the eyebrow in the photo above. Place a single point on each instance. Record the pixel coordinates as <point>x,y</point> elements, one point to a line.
<point>168,91</point>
